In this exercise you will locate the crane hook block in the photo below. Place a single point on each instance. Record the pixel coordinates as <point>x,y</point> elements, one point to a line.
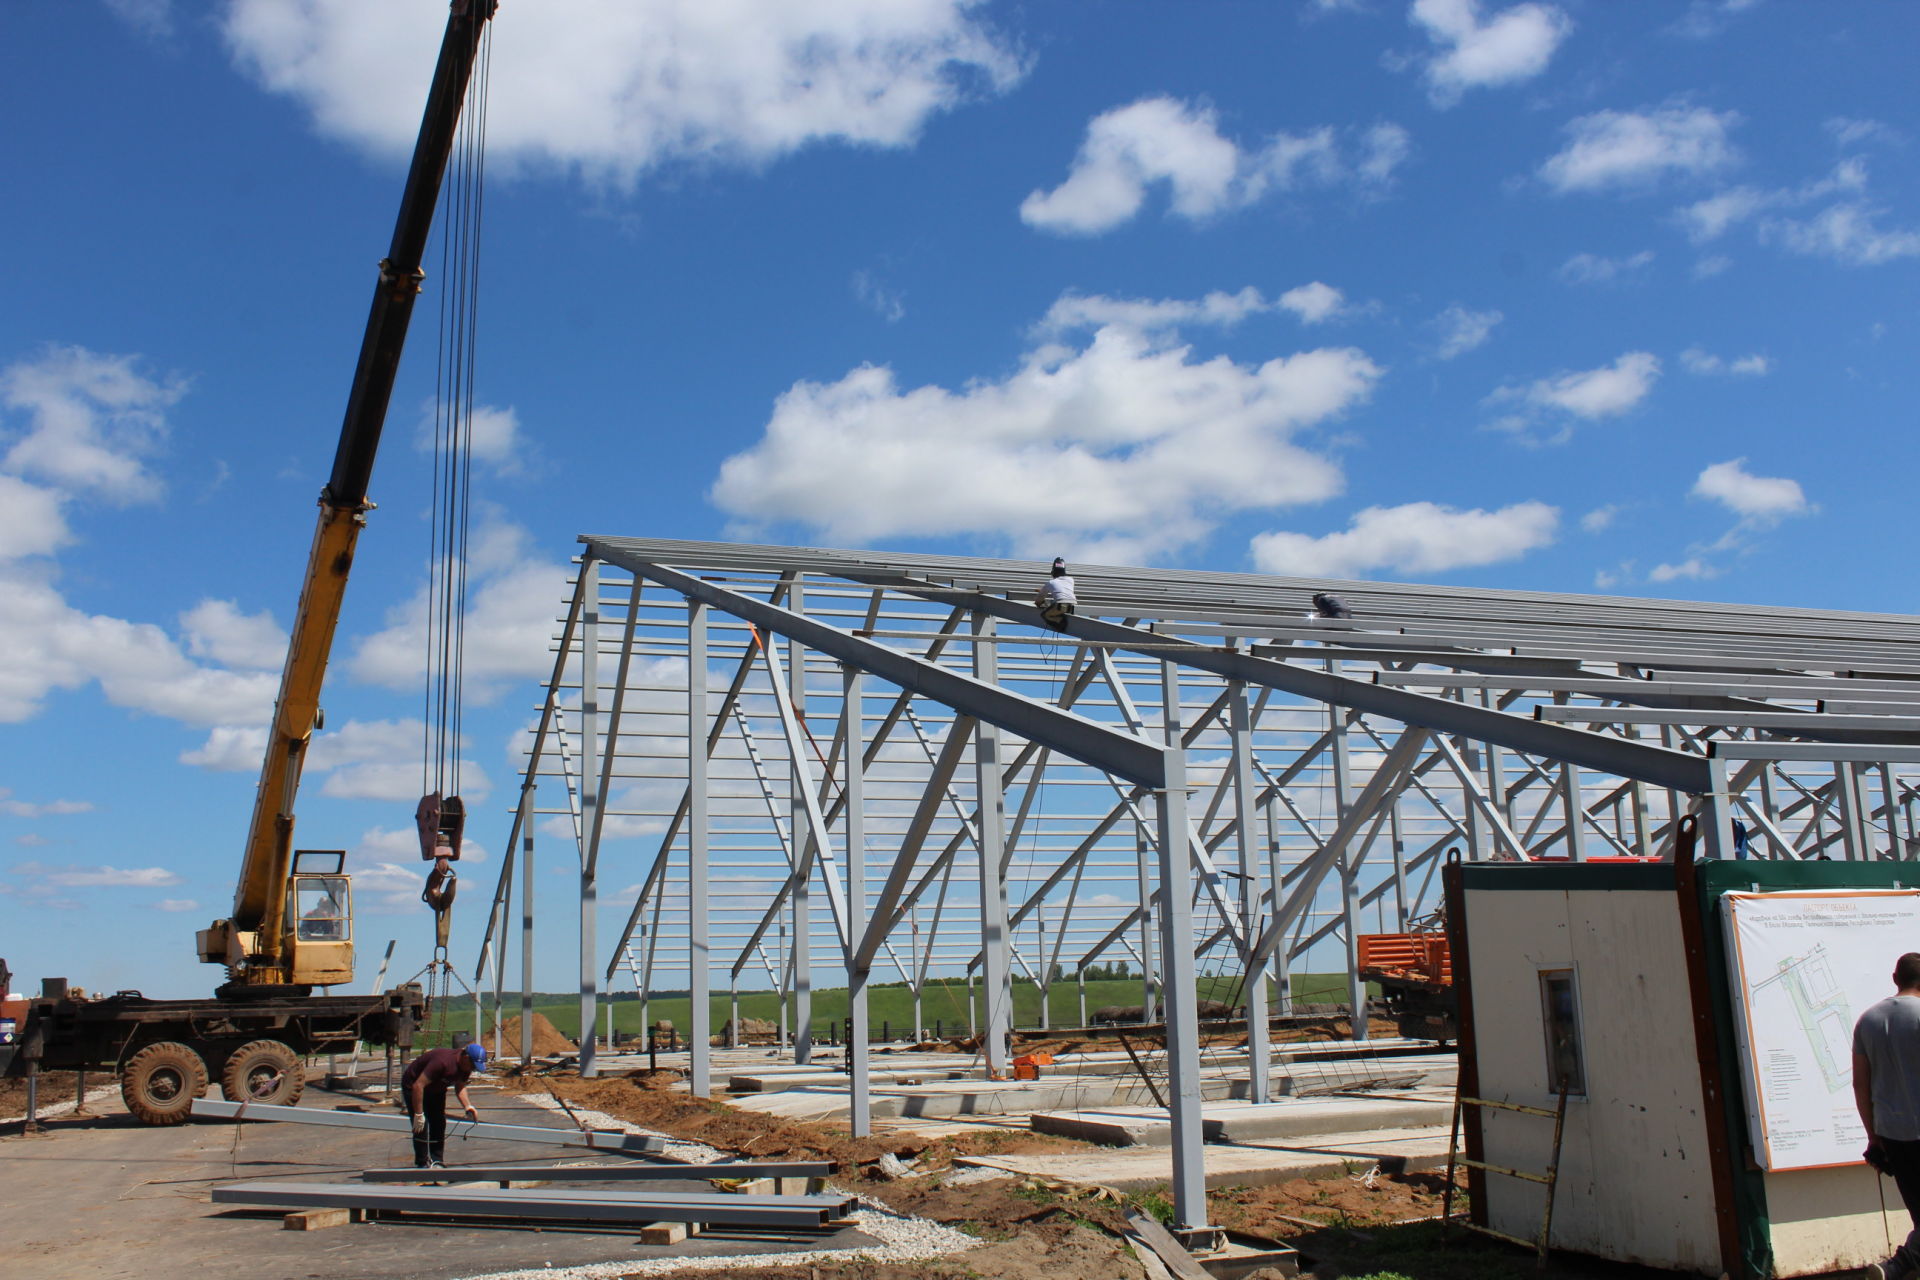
<point>442,822</point>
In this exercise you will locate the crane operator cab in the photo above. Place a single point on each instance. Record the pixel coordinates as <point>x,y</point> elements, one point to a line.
<point>320,915</point>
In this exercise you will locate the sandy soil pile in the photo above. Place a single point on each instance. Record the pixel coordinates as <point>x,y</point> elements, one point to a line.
<point>547,1042</point>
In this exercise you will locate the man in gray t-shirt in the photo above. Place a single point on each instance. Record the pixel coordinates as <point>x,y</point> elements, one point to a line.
<point>1886,1089</point>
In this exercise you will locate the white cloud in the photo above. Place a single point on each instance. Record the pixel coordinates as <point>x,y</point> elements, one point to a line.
<point>360,760</point>
<point>43,809</point>
<point>887,303</point>
<point>177,904</point>
<point>492,437</point>
<point>51,645</point>
<point>1417,537</point>
<point>1071,312</point>
<point>1131,149</point>
<point>31,523</point>
<point>1128,445</point>
<point>1462,330</point>
<point>1315,302</point>
<point>1757,500</point>
<point>1589,394</point>
<point>1589,268</point>
<point>1705,19</point>
<point>1848,131</point>
<point>92,420</point>
<point>611,89</point>
<point>1847,233</point>
<point>1708,267</point>
<point>78,877</point>
<point>1600,518</point>
<point>512,600</point>
<point>388,872</point>
<point>151,18</point>
<point>216,629</point>
<point>1691,568</point>
<point>1710,218</point>
<point>1472,52</point>
<point>1629,148</point>
<point>1128,149</point>
<point>1695,360</point>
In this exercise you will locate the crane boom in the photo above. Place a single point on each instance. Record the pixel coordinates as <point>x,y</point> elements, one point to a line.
<point>255,942</point>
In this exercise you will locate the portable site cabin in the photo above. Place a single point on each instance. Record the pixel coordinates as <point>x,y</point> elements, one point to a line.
<point>1701,1013</point>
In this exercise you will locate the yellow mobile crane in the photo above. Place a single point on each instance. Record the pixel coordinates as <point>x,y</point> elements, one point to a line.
<point>292,924</point>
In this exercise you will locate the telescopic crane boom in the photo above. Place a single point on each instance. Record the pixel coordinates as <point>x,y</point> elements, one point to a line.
<point>290,925</point>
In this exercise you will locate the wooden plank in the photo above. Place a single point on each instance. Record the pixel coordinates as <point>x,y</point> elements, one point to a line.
<point>667,1233</point>
<point>1171,1252</point>
<point>316,1219</point>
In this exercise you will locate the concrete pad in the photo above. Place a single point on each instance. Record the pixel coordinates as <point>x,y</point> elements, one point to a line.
<point>1247,1121</point>
<point>1238,1165</point>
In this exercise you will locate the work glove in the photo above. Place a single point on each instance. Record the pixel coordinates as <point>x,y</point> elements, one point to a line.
<point>419,1122</point>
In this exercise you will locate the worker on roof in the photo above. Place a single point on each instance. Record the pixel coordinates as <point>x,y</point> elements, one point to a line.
<point>423,1088</point>
<point>1055,598</point>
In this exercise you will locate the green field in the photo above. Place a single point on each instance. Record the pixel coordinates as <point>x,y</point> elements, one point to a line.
<point>891,1007</point>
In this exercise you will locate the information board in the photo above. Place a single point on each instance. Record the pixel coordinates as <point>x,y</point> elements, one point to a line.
<point>1805,964</point>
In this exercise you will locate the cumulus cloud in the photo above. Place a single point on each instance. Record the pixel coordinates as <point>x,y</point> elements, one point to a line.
<point>1416,537</point>
<point>1695,360</point>
<point>1128,443</point>
<point>91,421</point>
<point>1590,268</point>
<point>1587,395</point>
<point>1315,302</point>
<point>216,629</point>
<point>31,521</point>
<point>512,599</point>
<point>51,645</point>
<point>1600,518</point>
<point>492,437</point>
<point>1461,330</point>
<point>1849,230</point>
<point>1614,149</point>
<point>1759,500</point>
<point>610,89</point>
<point>1131,149</point>
<point>1475,49</point>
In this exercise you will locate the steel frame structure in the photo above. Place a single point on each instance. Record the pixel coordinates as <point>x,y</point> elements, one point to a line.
<point>883,764</point>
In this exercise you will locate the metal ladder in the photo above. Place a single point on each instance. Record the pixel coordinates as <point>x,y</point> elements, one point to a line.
<point>1548,1179</point>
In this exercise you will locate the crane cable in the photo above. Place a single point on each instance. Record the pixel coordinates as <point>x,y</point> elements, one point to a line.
<point>463,189</point>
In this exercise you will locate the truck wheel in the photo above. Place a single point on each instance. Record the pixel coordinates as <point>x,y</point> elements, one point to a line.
<point>160,1082</point>
<point>263,1071</point>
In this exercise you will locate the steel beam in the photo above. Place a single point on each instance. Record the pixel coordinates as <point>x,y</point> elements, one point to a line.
<point>597,1140</point>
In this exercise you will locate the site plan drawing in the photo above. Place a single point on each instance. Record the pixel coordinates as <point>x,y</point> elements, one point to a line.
<point>1804,966</point>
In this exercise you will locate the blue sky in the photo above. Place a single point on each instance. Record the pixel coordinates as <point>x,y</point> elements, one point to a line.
<point>1569,296</point>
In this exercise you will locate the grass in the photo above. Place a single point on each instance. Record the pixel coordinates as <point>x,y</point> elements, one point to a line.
<point>890,1008</point>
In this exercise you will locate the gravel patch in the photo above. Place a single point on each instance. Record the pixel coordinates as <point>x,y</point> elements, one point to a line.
<point>62,1108</point>
<point>679,1149</point>
<point>902,1239</point>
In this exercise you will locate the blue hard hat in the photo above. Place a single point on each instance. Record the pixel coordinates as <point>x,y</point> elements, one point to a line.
<point>478,1052</point>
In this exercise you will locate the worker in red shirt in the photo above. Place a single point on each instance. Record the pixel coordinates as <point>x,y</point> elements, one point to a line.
<point>423,1087</point>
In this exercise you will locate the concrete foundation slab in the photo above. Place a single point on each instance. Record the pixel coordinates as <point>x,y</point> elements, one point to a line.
<point>1239,1165</point>
<point>1248,1121</point>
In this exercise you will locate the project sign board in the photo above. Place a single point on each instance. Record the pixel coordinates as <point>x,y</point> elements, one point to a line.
<point>1804,966</point>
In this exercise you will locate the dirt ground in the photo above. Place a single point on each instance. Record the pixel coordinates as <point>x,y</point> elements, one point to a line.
<point>1379,1228</point>
<point>55,1086</point>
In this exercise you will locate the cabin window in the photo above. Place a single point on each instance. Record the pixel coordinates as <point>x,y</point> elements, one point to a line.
<point>320,907</point>
<point>1560,1009</point>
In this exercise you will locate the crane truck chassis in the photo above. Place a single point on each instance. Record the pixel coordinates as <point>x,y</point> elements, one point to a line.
<point>167,1052</point>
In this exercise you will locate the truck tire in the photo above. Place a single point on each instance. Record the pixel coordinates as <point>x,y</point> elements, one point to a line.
<point>263,1071</point>
<point>160,1082</point>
